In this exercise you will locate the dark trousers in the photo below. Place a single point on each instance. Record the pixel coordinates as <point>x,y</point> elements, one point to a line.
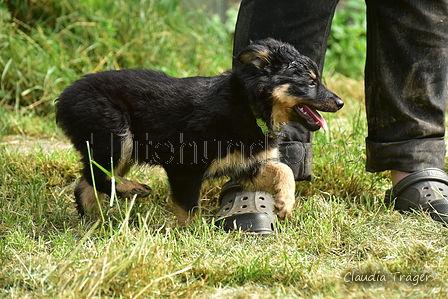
<point>406,72</point>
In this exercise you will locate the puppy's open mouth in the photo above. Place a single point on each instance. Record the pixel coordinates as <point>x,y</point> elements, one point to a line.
<point>311,116</point>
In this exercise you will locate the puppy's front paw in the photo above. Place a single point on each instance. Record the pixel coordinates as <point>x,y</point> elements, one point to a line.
<point>283,207</point>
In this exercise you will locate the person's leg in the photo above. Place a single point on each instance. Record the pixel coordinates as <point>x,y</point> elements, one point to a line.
<point>305,25</point>
<point>406,83</point>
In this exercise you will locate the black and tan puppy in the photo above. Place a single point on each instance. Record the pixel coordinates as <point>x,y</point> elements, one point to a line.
<point>196,127</point>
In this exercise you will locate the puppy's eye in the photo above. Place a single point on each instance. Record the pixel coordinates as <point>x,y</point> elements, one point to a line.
<point>312,83</point>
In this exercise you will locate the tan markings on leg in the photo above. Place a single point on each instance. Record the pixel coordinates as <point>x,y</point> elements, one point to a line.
<point>183,218</point>
<point>236,162</point>
<point>233,161</point>
<point>278,179</point>
<point>87,197</point>
<point>275,178</point>
<point>127,148</point>
<point>126,188</point>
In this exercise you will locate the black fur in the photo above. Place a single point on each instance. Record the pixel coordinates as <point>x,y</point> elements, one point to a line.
<point>185,124</point>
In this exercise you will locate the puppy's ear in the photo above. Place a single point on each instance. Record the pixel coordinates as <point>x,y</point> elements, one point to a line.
<point>256,55</point>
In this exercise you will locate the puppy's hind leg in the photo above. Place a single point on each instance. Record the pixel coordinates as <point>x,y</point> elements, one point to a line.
<point>126,188</point>
<point>86,200</point>
<point>104,148</point>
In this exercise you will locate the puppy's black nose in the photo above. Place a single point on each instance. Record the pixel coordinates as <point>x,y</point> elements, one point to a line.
<point>339,103</point>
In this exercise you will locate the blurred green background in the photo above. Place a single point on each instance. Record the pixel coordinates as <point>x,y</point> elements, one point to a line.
<point>45,45</point>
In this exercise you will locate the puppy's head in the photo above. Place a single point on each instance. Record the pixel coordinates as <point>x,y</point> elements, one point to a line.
<point>290,82</point>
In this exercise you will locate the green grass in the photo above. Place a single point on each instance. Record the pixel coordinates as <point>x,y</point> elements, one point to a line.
<point>71,38</point>
<point>340,230</point>
<point>339,227</point>
<point>346,49</point>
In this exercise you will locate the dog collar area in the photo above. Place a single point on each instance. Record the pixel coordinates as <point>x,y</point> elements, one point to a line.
<point>265,129</point>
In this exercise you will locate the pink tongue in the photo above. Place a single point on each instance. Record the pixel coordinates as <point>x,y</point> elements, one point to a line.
<point>315,116</point>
